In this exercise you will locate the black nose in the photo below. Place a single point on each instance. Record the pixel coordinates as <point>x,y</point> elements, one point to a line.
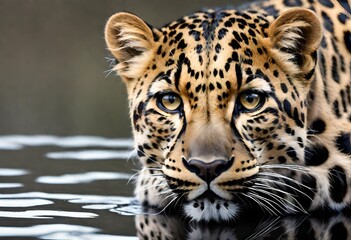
<point>207,171</point>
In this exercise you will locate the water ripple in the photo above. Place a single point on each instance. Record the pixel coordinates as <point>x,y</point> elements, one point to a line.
<point>72,198</point>
<point>11,185</point>
<point>90,155</point>
<point>16,142</point>
<point>46,214</point>
<point>78,178</point>
<point>13,202</point>
<point>10,172</point>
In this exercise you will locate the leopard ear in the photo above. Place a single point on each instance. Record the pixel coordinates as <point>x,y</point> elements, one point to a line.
<point>295,37</point>
<point>131,41</point>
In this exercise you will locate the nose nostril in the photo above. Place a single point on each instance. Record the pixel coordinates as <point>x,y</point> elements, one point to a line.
<point>224,166</point>
<point>192,167</point>
<point>207,171</point>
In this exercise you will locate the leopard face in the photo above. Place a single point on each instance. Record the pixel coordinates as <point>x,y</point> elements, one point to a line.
<point>219,103</point>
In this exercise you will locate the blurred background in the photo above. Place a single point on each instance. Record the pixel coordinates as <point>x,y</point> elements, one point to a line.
<point>53,67</point>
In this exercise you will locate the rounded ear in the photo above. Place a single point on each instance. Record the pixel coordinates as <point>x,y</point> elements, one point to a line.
<point>130,40</point>
<point>296,35</point>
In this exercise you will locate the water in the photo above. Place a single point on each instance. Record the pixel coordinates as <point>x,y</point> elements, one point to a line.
<point>65,187</point>
<point>78,188</point>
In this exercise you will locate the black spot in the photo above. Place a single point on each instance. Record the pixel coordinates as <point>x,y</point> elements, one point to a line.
<point>323,67</point>
<point>198,88</point>
<point>338,183</point>
<point>276,74</point>
<point>284,87</point>
<point>237,36</point>
<point>228,24</point>
<point>248,52</point>
<point>317,126</point>
<point>239,75</point>
<point>244,37</point>
<point>178,37</point>
<point>316,155</point>
<point>221,75</point>
<point>338,232</point>
<point>218,48</point>
<point>291,153</point>
<point>328,23</point>
<point>159,50</point>
<point>287,107</point>
<point>343,143</point>
<point>211,86</point>
<point>335,70</point>
<point>227,83</point>
<point>281,159</point>
<point>215,72</point>
<point>347,40</point>
<point>181,44</point>
<point>343,100</point>
<point>343,18</point>
<point>235,57</point>
<point>221,33</point>
<point>198,48</point>
<point>252,33</point>
<point>234,44</point>
<point>326,3</point>
<point>293,3</point>
<point>226,67</point>
<point>336,109</point>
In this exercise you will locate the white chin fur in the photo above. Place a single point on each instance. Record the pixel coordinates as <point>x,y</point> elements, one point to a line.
<point>204,210</point>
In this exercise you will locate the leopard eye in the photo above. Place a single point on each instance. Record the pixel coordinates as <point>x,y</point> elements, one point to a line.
<point>251,101</point>
<point>169,102</point>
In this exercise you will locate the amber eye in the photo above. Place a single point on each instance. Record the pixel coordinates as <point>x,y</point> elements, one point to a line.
<point>251,100</point>
<point>169,102</point>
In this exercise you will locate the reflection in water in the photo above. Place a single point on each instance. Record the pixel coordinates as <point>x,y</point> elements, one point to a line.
<point>59,231</point>
<point>306,227</point>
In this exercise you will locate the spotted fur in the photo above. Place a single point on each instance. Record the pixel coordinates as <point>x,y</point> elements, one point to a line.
<point>238,109</point>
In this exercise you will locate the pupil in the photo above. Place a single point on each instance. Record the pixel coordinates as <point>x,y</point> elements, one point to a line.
<point>171,98</point>
<point>251,98</point>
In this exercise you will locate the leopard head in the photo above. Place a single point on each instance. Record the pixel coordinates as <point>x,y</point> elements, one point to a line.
<point>218,106</point>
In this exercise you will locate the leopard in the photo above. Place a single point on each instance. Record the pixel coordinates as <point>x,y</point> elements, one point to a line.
<point>240,110</point>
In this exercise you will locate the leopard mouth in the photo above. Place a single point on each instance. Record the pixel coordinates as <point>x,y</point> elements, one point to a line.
<point>210,195</point>
<point>211,207</point>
